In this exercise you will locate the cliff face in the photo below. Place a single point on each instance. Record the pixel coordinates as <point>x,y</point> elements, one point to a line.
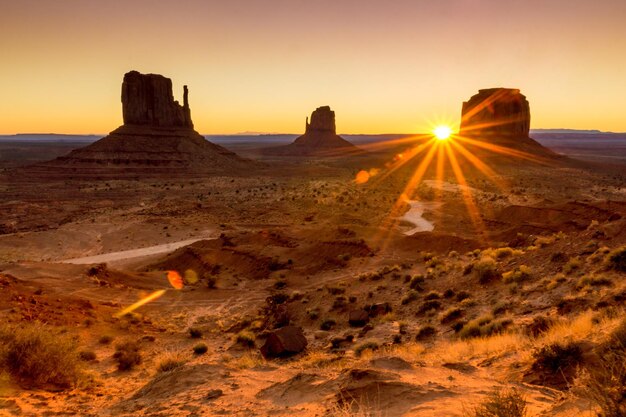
<point>322,120</point>
<point>147,99</point>
<point>496,112</point>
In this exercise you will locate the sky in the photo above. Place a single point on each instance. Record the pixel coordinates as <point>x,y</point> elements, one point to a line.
<point>388,66</point>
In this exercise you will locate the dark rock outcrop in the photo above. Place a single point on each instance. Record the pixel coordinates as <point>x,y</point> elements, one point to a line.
<point>358,318</point>
<point>286,341</point>
<point>157,138</point>
<point>147,99</point>
<point>500,116</point>
<point>320,138</point>
<point>496,112</point>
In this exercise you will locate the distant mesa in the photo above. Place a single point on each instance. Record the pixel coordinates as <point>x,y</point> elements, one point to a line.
<point>320,138</point>
<point>157,137</point>
<point>500,116</point>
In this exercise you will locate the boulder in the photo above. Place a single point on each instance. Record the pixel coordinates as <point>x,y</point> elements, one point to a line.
<point>286,341</point>
<point>358,318</point>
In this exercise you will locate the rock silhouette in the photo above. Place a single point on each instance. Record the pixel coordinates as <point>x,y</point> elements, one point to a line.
<point>157,138</point>
<point>320,138</point>
<point>496,112</point>
<point>286,341</point>
<point>500,116</point>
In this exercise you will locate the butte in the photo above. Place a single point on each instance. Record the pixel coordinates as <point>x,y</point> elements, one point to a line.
<point>157,138</point>
<point>500,117</point>
<point>320,138</point>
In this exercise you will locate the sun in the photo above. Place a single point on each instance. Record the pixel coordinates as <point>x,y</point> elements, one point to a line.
<point>442,132</point>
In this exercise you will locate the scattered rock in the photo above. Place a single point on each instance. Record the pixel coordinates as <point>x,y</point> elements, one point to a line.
<point>286,341</point>
<point>213,394</point>
<point>358,318</point>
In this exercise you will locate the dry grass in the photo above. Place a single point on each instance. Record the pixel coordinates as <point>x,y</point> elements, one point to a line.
<point>36,356</point>
<point>246,361</point>
<point>462,350</point>
<point>509,403</point>
<point>169,361</point>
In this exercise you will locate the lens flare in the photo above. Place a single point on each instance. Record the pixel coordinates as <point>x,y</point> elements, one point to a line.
<point>442,132</point>
<point>362,177</point>
<point>175,280</point>
<point>151,297</point>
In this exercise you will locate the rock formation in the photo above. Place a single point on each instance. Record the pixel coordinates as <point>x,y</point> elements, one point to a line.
<point>496,112</point>
<point>320,138</point>
<point>157,138</point>
<point>500,116</point>
<point>286,341</point>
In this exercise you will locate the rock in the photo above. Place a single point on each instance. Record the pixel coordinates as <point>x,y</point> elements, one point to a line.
<point>156,139</point>
<point>213,394</point>
<point>358,318</point>
<point>147,99</point>
<point>322,120</point>
<point>320,138</point>
<point>286,341</point>
<point>496,112</point>
<point>379,309</point>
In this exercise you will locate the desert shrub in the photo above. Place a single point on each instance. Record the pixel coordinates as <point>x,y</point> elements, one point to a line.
<point>200,349</point>
<point>335,290</point>
<point>313,313</point>
<point>416,282</point>
<point>462,295</point>
<point>211,281</point>
<point>519,274</point>
<point>358,351</point>
<point>543,241</point>
<point>105,339</point>
<point>502,253</point>
<point>500,308</point>
<point>484,326</point>
<point>328,324</point>
<point>170,362</point>
<point>499,403</point>
<point>539,325</point>
<point>127,355</point>
<point>411,296</point>
<point>616,259</point>
<point>195,333</point>
<point>37,357</point>
<point>558,257</point>
<point>453,313</point>
<point>433,295</point>
<point>594,281</point>
<point>572,265</point>
<point>449,293</point>
<point>556,362</point>
<point>245,338</point>
<point>87,355</point>
<point>429,305</point>
<point>425,332</point>
<point>485,270</point>
<point>339,303</point>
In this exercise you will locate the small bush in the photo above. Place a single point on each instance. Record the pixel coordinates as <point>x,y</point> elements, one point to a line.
<point>616,259</point>
<point>572,265</point>
<point>200,349</point>
<point>127,355</point>
<point>411,296</point>
<point>87,355</point>
<point>519,274</point>
<point>416,282</point>
<point>429,305</point>
<point>485,270</point>
<point>452,314</point>
<point>36,357</point>
<point>594,281</point>
<point>484,326</point>
<point>328,324</point>
<point>463,295</point>
<point>170,362</point>
<point>358,351</point>
<point>556,363</point>
<point>501,404</point>
<point>425,332</point>
<point>105,339</point>
<point>195,333</point>
<point>433,295</point>
<point>245,338</point>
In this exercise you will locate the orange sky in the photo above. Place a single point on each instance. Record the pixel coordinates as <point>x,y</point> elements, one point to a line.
<point>264,65</point>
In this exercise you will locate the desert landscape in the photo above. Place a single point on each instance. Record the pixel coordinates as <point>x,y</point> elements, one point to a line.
<point>473,270</point>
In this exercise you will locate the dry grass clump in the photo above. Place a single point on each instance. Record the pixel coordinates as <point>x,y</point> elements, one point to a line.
<point>200,349</point>
<point>245,338</point>
<point>519,274</point>
<point>37,357</point>
<point>127,355</point>
<point>485,270</point>
<point>170,361</point>
<point>484,326</point>
<point>556,364</point>
<point>572,265</point>
<point>499,403</point>
<point>358,351</point>
<point>616,259</point>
